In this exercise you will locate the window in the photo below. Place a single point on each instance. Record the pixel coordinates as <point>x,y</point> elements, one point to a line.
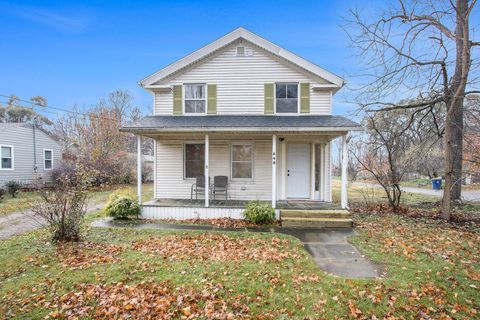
<point>240,51</point>
<point>286,97</point>
<point>194,160</point>
<point>242,161</point>
<point>7,157</point>
<point>195,98</point>
<point>47,159</point>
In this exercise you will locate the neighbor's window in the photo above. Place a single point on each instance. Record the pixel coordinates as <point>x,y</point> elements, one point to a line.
<point>242,161</point>
<point>47,159</point>
<point>195,98</point>
<point>194,160</point>
<point>286,97</point>
<point>7,157</point>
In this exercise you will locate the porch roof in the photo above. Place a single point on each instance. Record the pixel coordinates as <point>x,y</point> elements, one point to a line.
<point>247,123</point>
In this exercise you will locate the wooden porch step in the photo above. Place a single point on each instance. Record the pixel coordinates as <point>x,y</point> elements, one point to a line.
<point>317,222</point>
<point>299,213</point>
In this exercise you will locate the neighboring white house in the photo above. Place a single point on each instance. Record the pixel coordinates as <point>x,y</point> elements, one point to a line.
<point>27,153</point>
<point>243,108</point>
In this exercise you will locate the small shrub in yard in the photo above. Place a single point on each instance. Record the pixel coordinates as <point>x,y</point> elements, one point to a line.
<point>2,194</point>
<point>122,207</point>
<point>63,207</point>
<point>13,187</point>
<point>259,213</point>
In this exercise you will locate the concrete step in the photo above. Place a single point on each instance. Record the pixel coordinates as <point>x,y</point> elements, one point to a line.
<point>317,222</point>
<point>298,213</point>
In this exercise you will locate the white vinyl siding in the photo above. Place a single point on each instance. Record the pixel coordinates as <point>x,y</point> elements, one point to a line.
<point>170,183</point>
<point>240,81</point>
<point>21,138</point>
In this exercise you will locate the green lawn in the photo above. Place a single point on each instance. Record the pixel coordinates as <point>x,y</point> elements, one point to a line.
<point>431,270</point>
<point>24,200</point>
<point>363,194</point>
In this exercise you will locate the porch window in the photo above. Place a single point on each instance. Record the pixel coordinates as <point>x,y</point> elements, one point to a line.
<point>286,97</point>
<point>242,161</point>
<point>194,160</point>
<point>47,159</point>
<point>195,98</point>
<point>7,158</point>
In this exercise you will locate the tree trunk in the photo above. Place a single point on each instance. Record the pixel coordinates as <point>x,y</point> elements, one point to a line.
<point>454,119</point>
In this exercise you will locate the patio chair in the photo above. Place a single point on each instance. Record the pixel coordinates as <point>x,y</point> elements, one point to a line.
<point>220,186</point>
<point>198,187</point>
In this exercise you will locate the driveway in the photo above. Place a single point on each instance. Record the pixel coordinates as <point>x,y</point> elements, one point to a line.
<point>329,247</point>
<point>467,195</point>
<point>21,222</point>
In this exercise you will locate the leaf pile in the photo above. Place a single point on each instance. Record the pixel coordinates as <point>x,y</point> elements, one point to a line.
<point>217,247</point>
<point>145,300</point>
<point>84,254</point>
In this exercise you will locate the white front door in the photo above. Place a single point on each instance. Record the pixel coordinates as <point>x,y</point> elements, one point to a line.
<point>298,171</point>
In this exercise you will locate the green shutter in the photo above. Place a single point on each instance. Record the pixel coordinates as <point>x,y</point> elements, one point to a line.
<point>177,100</point>
<point>268,94</point>
<point>212,99</point>
<point>304,98</point>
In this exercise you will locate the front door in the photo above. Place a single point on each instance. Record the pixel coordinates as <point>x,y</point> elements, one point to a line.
<point>298,171</point>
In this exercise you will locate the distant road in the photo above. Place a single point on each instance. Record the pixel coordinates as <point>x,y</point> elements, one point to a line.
<point>467,195</point>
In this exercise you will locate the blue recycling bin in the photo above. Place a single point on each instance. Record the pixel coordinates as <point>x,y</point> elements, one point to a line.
<point>437,184</point>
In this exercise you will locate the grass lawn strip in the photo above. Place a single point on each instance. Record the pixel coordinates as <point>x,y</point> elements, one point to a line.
<point>432,272</point>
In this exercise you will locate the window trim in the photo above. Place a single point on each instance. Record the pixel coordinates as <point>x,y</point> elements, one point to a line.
<point>185,158</point>
<point>242,143</point>
<point>44,159</point>
<point>275,99</point>
<point>12,157</point>
<point>204,99</point>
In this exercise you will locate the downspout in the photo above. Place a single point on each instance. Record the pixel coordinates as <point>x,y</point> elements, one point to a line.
<point>34,149</point>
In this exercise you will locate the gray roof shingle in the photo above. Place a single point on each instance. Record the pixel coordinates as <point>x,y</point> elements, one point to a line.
<point>239,122</point>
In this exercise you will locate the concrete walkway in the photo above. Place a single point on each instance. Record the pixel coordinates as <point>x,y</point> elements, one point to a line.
<point>329,248</point>
<point>467,195</point>
<point>21,222</point>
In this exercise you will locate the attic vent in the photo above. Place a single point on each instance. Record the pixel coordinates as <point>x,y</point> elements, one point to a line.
<point>240,51</point>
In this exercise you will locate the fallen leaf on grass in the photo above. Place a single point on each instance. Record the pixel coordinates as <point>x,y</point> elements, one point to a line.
<point>218,247</point>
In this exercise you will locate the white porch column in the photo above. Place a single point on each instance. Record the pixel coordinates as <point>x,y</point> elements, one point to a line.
<point>139,169</point>
<point>312,173</point>
<point>207,184</point>
<point>274,171</point>
<point>322,172</point>
<point>344,200</point>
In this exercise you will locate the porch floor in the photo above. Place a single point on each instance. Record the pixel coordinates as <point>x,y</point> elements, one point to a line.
<point>281,204</point>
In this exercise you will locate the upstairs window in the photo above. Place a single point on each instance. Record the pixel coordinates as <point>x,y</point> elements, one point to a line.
<point>7,158</point>
<point>47,159</point>
<point>286,97</point>
<point>195,98</point>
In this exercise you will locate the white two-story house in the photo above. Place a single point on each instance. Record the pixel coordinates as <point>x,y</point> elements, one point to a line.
<point>245,109</point>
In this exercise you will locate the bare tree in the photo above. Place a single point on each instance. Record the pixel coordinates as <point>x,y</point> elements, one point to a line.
<point>391,143</point>
<point>420,49</point>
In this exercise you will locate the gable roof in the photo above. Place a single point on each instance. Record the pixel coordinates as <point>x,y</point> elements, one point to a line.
<point>242,33</point>
<point>4,126</point>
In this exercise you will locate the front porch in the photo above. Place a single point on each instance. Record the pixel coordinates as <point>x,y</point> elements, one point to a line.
<point>291,213</point>
<point>281,204</point>
<point>289,170</point>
